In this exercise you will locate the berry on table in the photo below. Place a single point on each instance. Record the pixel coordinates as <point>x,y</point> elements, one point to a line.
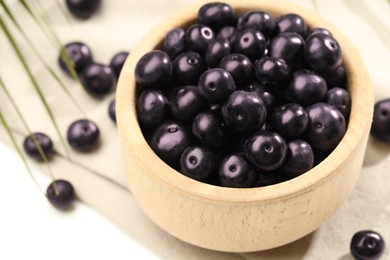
<point>83,9</point>
<point>380,127</point>
<point>112,110</point>
<point>61,194</point>
<point>79,55</point>
<point>367,245</point>
<point>83,135</point>
<point>98,79</point>
<point>32,149</point>
<point>117,62</point>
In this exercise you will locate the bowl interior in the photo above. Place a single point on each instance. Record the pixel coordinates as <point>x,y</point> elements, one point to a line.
<point>358,126</point>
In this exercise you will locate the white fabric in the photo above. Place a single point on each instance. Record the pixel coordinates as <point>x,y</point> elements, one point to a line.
<point>98,177</point>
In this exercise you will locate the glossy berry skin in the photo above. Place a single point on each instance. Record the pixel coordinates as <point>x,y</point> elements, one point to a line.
<point>299,159</point>
<point>216,51</point>
<point>112,110</point>
<point>306,87</point>
<point>175,42</point>
<point>235,172</point>
<point>238,65</point>
<point>98,79</point>
<point>187,103</point>
<point>287,46</point>
<point>197,162</point>
<point>380,127</point>
<point>244,111</point>
<point>340,99</point>
<point>152,108</point>
<point>216,15</point>
<point>290,120</point>
<point>215,85</point>
<point>83,135</point>
<point>188,67</point>
<point>270,70</point>
<point>79,54</point>
<point>251,43</point>
<point>264,92</point>
<point>367,245</point>
<point>198,38</point>
<point>32,150</point>
<point>117,62</point>
<point>326,128</point>
<point>83,9</point>
<point>65,197</point>
<point>260,21</point>
<point>266,150</point>
<point>322,52</point>
<point>154,67</point>
<point>209,128</point>
<point>292,23</point>
<point>170,140</point>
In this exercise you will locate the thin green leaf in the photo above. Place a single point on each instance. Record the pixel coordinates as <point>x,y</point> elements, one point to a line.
<point>34,82</point>
<point>315,4</point>
<point>30,133</point>
<point>36,52</point>
<point>18,150</point>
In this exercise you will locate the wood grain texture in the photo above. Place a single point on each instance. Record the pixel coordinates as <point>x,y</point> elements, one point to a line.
<point>243,220</point>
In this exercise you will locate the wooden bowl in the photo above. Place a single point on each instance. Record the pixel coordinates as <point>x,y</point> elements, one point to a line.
<point>252,219</point>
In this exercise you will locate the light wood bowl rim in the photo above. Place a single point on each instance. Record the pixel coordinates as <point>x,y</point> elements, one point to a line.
<point>361,115</point>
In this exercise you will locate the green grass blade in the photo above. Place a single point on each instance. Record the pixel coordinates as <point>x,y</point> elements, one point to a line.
<point>30,133</point>
<point>36,52</point>
<point>18,150</point>
<point>34,82</point>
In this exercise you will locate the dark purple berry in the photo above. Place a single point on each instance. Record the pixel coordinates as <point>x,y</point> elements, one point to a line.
<point>197,163</point>
<point>306,87</point>
<point>215,85</point>
<point>266,150</point>
<point>209,128</point>
<point>152,108</point>
<point>112,110</point>
<point>175,42</point>
<point>287,46</point>
<point>269,70</point>
<point>380,127</point>
<point>61,194</point>
<point>300,159</point>
<point>238,65</point>
<point>244,111</point>
<point>187,103</point>
<point>289,120</point>
<point>83,135</point>
<point>261,21</point>
<point>292,23</point>
<point>170,140</point>
<point>326,127</point>
<point>339,98</point>
<point>216,51</point>
<point>235,172</point>
<point>83,9</point>
<point>32,149</point>
<point>322,52</point>
<point>79,55</point>
<point>155,67</point>
<point>198,37</point>
<point>216,15</point>
<point>367,245</point>
<point>117,62</point>
<point>188,67</point>
<point>266,179</point>
<point>251,43</point>
<point>98,79</point>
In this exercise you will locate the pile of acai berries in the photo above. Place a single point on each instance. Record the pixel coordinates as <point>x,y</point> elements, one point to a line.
<point>243,100</point>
